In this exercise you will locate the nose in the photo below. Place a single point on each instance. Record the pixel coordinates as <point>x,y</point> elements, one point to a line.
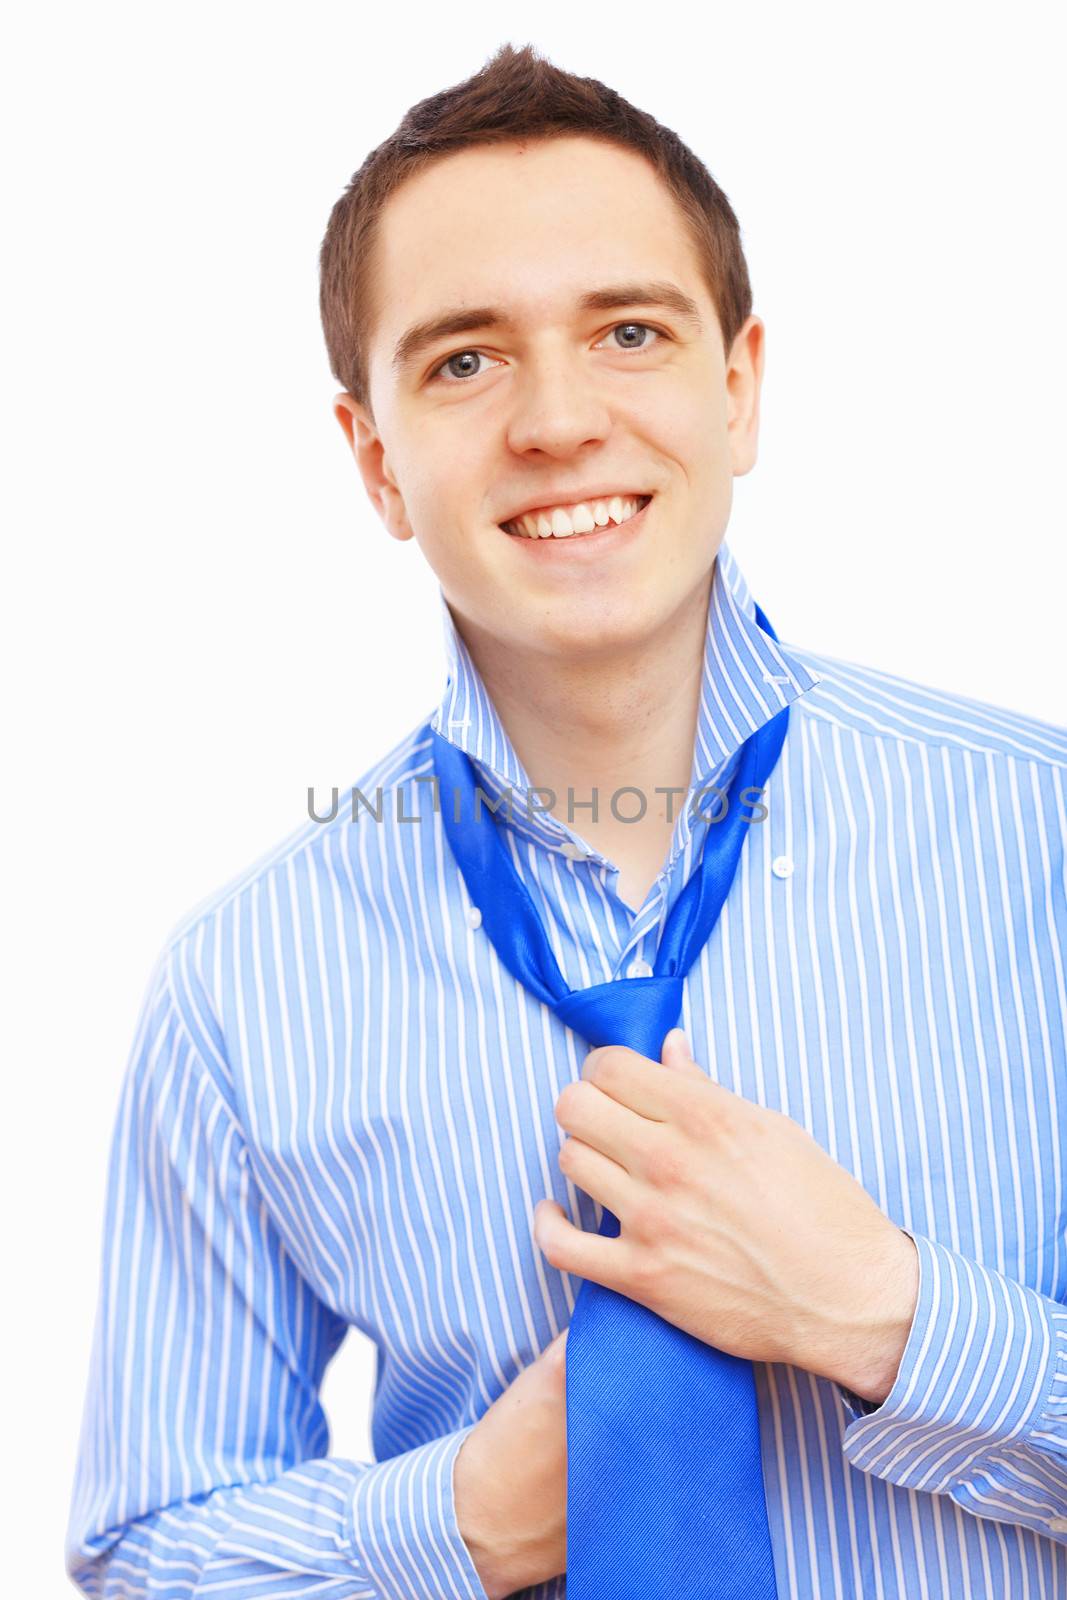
<point>556,407</point>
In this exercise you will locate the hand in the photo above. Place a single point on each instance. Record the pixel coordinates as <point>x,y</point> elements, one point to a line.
<point>510,1479</point>
<point>734,1223</point>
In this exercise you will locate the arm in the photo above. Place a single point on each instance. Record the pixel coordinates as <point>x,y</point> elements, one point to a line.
<point>202,1466</point>
<point>978,1409</point>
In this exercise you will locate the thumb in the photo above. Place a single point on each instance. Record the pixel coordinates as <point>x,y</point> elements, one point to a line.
<point>556,1349</point>
<point>676,1051</point>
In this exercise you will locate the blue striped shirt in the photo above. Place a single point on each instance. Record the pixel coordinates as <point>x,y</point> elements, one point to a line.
<point>339,1111</point>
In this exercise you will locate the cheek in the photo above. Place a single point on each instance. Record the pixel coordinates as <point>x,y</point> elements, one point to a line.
<point>685,419</point>
<point>422,475</point>
<point>444,486</point>
<point>691,433</point>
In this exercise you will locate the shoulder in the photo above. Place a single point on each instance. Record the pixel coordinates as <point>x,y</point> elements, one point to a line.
<point>864,700</point>
<point>391,786</point>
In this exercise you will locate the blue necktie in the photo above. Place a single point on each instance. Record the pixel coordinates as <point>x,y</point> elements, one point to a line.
<point>665,1497</point>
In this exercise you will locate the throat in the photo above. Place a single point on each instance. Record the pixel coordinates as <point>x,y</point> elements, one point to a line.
<point>639,850</point>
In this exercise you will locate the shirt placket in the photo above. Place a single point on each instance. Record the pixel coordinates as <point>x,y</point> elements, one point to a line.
<point>595,936</point>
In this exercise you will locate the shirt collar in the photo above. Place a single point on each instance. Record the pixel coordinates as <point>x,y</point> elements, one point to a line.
<point>746,680</point>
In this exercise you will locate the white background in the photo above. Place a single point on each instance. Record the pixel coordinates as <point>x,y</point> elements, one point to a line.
<point>202,615</point>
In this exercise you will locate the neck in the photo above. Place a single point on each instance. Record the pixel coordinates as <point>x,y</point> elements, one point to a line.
<point>606,721</point>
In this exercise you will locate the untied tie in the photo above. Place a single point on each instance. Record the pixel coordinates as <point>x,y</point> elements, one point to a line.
<point>665,1495</point>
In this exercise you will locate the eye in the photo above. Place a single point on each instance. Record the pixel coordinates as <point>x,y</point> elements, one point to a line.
<point>633,335</point>
<point>460,367</point>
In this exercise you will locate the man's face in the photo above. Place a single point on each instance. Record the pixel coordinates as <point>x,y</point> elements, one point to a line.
<point>543,338</point>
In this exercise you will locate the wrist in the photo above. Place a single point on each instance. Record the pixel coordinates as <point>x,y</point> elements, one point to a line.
<point>486,1547</point>
<point>872,1365</point>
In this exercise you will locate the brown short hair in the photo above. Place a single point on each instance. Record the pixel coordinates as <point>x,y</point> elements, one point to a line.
<point>516,95</point>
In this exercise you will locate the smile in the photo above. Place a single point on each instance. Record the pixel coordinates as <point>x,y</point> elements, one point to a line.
<point>586,516</point>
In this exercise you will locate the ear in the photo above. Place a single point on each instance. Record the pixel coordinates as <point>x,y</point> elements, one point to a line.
<point>744,376</point>
<point>362,434</point>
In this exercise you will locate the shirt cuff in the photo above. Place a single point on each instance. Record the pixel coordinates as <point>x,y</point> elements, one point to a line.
<point>402,1524</point>
<point>985,1364</point>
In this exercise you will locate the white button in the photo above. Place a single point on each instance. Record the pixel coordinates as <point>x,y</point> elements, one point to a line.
<point>781,866</point>
<point>474,917</point>
<point>575,852</point>
<point>639,969</point>
<point>1058,1524</point>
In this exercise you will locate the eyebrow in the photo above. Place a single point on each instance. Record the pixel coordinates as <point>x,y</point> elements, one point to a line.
<point>613,297</point>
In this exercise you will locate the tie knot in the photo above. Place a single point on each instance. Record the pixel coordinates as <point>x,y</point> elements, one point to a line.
<point>639,1012</point>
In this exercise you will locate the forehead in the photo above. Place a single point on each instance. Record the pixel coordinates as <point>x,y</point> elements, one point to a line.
<point>531,224</point>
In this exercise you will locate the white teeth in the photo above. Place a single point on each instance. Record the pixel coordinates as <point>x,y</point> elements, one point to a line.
<point>563,522</point>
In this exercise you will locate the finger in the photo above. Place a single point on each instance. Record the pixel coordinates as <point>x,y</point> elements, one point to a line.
<point>586,1111</point>
<point>598,1175</point>
<point>633,1081</point>
<point>556,1349</point>
<point>570,1249</point>
<point>558,1346</point>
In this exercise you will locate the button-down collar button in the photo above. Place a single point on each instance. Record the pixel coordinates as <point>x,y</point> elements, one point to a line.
<point>639,969</point>
<point>474,917</point>
<point>575,852</point>
<point>1058,1525</point>
<point>782,866</point>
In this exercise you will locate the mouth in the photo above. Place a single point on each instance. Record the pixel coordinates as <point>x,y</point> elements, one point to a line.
<point>586,521</point>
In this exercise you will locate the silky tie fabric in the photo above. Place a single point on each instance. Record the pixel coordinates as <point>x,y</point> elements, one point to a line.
<point>665,1497</point>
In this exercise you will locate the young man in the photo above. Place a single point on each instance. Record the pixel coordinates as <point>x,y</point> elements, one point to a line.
<point>343,1107</point>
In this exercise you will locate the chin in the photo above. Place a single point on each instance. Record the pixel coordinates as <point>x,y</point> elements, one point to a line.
<point>587,630</point>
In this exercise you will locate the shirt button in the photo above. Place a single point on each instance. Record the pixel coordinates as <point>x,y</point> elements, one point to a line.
<point>575,852</point>
<point>474,917</point>
<point>639,969</point>
<point>1058,1525</point>
<point>782,866</point>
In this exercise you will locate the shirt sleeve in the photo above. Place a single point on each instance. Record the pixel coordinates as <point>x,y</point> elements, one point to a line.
<point>978,1410</point>
<point>202,1466</point>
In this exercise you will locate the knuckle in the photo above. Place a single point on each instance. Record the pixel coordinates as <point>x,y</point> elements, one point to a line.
<point>704,1123</point>
<point>567,1100</point>
<point>647,1219</point>
<point>645,1277</point>
<point>607,1062</point>
<point>725,1127</point>
<point>665,1164</point>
